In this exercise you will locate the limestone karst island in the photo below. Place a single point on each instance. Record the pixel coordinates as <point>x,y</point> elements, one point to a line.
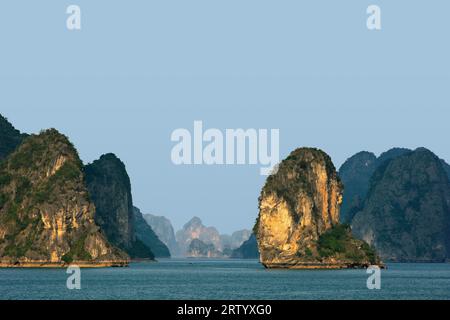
<point>298,224</point>
<point>56,211</point>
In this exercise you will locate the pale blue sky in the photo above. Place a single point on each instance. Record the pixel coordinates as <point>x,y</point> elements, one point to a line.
<point>140,69</point>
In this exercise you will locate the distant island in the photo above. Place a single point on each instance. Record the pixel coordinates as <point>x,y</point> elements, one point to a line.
<point>194,240</point>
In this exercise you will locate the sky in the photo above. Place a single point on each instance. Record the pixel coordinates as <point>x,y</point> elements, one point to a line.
<point>138,70</point>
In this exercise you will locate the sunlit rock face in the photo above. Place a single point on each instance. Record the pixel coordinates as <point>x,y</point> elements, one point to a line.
<point>297,206</point>
<point>46,216</point>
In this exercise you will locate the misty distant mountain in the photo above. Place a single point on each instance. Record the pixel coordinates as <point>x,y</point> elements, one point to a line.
<point>194,229</point>
<point>164,229</point>
<point>198,249</point>
<point>234,240</point>
<point>146,234</point>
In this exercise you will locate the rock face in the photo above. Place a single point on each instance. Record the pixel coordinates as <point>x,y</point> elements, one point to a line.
<point>248,249</point>
<point>194,229</point>
<point>10,138</point>
<point>164,230</point>
<point>110,189</point>
<point>391,154</point>
<point>298,221</point>
<point>198,249</point>
<point>46,216</point>
<point>144,232</point>
<point>446,167</point>
<point>355,174</point>
<point>406,214</point>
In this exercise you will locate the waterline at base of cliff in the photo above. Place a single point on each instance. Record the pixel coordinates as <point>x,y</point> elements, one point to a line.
<point>227,279</point>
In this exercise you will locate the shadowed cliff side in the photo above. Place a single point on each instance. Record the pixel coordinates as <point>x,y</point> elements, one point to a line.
<point>446,168</point>
<point>146,234</point>
<point>110,189</point>
<point>247,250</point>
<point>298,221</point>
<point>406,214</point>
<point>356,173</point>
<point>10,138</point>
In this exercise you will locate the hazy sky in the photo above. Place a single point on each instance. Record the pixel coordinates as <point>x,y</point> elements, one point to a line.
<point>140,69</point>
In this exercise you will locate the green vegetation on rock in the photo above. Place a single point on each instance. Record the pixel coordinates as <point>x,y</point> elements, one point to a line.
<point>45,212</point>
<point>298,222</point>
<point>339,241</point>
<point>406,214</point>
<point>110,189</point>
<point>10,138</point>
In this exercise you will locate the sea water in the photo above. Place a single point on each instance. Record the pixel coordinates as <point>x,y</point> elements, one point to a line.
<point>226,279</point>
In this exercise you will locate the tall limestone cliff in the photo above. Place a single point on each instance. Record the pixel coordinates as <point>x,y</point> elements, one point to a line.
<point>46,216</point>
<point>10,138</point>
<point>446,167</point>
<point>110,188</point>
<point>298,221</point>
<point>144,232</point>
<point>406,214</point>
<point>164,230</point>
<point>355,174</point>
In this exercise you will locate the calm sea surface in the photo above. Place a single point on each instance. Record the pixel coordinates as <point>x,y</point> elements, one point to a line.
<point>226,279</point>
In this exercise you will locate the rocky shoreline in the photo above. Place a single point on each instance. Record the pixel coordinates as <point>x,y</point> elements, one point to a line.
<point>81,264</point>
<point>313,266</point>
